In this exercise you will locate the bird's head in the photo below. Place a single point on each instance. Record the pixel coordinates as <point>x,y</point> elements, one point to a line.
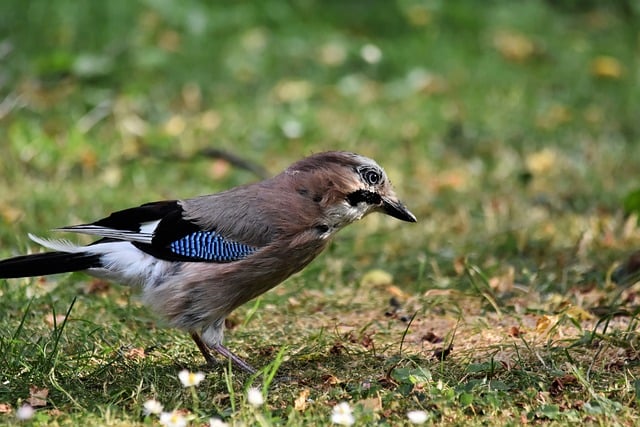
<point>347,186</point>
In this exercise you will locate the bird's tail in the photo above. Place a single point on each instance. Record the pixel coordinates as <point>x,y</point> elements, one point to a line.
<point>47,263</point>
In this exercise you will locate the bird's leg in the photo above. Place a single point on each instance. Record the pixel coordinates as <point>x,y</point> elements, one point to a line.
<point>204,350</point>
<point>237,360</point>
<point>224,351</point>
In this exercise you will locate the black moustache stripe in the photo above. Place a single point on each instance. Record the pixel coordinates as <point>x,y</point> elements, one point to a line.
<point>369,197</point>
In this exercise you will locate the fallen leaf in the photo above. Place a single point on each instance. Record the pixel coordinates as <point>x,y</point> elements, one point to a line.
<point>577,313</point>
<point>557,385</point>
<point>606,67</point>
<point>542,161</point>
<point>331,380</point>
<point>545,323</point>
<point>336,349</point>
<point>366,341</point>
<point>397,293</point>
<point>300,404</point>
<point>10,213</point>
<point>513,46</point>
<point>135,353</point>
<point>5,408</point>
<point>293,302</point>
<point>57,321</point>
<point>515,331</point>
<point>97,286</point>
<point>377,277</point>
<point>37,396</point>
<point>460,265</point>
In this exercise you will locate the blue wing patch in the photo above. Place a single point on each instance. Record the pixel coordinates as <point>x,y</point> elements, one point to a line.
<point>210,246</point>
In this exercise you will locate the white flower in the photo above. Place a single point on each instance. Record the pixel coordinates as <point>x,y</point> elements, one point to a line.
<point>417,417</point>
<point>342,414</point>
<point>217,422</point>
<point>190,379</point>
<point>152,406</point>
<point>254,397</point>
<point>292,129</point>
<point>25,412</point>
<point>371,53</point>
<point>173,419</point>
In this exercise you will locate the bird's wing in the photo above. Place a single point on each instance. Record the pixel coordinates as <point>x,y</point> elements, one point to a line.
<point>160,229</point>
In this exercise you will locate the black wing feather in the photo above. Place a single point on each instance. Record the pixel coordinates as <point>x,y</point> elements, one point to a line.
<point>130,219</point>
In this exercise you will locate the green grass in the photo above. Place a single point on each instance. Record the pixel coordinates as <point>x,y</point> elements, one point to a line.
<point>510,130</point>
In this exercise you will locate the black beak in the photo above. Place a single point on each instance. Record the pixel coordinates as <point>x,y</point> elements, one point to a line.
<point>396,209</point>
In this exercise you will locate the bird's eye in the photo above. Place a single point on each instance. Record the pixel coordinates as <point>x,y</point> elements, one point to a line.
<point>371,176</point>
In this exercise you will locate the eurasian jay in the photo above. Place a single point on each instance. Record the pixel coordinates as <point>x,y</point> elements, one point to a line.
<point>198,259</point>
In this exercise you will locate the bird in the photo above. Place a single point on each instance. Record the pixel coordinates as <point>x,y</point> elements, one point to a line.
<point>197,259</point>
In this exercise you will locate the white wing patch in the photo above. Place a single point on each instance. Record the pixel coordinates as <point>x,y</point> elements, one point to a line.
<point>149,227</point>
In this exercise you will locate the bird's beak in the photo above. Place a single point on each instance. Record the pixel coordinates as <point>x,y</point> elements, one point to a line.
<point>397,209</point>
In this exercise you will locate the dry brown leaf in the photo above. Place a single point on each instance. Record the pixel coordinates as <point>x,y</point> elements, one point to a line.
<point>515,331</point>
<point>545,323</point>
<point>578,313</point>
<point>397,293</point>
<point>97,286</point>
<point>542,161</point>
<point>10,213</point>
<point>57,321</point>
<point>459,265</point>
<point>300,404</point>
<point>135,353</point>
<point>514,46</point>
<point>606,67</point>
<point>331,380</point>
<point>293,302</point>
<point>37,396</point>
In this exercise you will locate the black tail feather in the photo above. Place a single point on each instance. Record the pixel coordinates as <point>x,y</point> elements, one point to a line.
<point>47,263</point>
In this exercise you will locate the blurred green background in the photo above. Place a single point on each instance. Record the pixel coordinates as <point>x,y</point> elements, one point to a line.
<point>108,104</point>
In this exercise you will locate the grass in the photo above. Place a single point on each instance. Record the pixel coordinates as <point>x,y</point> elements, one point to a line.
<point>510,131</point>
